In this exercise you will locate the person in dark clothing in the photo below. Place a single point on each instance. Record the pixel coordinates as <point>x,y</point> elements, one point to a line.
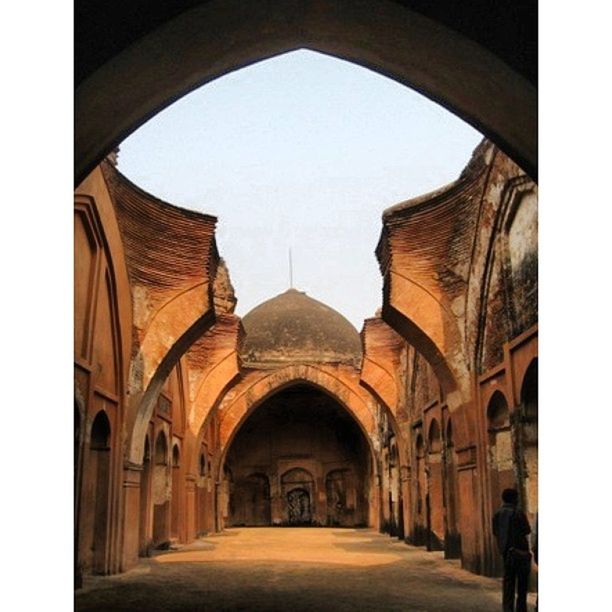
<point>511,528</point>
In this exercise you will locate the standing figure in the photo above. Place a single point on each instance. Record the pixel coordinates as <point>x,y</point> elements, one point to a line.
<point>511,528</point>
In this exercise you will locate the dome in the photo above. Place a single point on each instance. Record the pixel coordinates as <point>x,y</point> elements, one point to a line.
<point>293,327</point>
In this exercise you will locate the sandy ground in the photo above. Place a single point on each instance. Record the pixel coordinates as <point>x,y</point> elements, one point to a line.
<point>295,569</point>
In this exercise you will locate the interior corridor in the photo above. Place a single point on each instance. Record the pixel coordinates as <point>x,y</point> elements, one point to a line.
<point>294,568</point>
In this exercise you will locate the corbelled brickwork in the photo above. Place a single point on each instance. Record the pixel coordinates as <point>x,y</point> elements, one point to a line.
<point>188,421</point>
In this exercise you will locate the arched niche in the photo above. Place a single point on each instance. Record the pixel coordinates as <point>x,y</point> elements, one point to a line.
<point>500,447</point>
<point>420,447</point>
<point>298,496</point>
<point>176,456</point>
<point>251,501</point>
<point>449,435</point>
<point>498,415</point>
<point>202,464</point>
<point>97,490</point>
<point>435,439</point>
<point>161,449</point>
<point>176,506</point>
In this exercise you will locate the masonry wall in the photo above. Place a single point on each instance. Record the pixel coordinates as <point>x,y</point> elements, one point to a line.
<point>469,250</point>
<point>447,395</point>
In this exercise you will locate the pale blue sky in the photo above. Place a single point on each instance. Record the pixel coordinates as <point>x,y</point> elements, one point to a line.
<point>303,151</point>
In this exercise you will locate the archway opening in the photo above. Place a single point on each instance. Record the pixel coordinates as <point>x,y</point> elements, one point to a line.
<point>300,458</point>
<point>500,456</point>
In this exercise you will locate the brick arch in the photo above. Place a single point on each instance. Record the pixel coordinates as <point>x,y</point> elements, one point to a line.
<point>387,393</point>
<point>234,412</point>
<point>146,405</point>
<point>136,81</point>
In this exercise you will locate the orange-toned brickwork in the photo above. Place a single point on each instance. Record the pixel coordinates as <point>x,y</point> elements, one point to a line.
<point>180,429</point>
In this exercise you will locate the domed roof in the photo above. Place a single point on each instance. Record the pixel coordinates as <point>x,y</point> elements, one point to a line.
<point>293,327</point>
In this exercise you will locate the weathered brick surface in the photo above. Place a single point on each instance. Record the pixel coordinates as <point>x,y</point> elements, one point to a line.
<point>460,269</point>
<point>170,361</point>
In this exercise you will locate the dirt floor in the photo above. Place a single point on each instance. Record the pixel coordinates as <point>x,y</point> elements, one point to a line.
<point>295,569</point>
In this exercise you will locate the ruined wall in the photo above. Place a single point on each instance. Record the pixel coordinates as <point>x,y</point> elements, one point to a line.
<point>143,284</point>
<point>172,261</point>
<point>460,270</point>
<point>102,344</point>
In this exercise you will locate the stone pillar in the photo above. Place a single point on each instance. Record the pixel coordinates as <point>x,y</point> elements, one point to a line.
<point>131,515</point>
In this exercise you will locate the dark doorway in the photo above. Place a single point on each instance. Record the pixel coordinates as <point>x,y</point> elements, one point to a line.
<point>298,507</point>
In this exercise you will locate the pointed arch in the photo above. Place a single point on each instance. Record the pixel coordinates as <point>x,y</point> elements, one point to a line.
<point>217,37</point>
<point>251,393</point>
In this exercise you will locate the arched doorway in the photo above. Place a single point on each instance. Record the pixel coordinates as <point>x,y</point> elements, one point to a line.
<point>501,466</point>
<point>97,490</point>
<point>297,497</point>
<point>307,447</point>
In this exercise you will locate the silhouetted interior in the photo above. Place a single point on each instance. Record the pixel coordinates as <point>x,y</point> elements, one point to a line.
<point>299,459</point>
